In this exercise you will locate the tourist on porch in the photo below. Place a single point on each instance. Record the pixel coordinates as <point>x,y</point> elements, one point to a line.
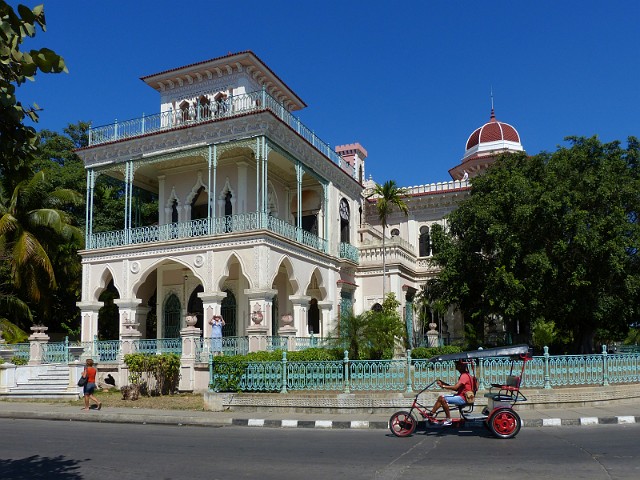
<point>216,322</point>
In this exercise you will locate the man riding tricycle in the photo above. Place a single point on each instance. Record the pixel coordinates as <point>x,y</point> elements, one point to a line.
<point>498,416</point>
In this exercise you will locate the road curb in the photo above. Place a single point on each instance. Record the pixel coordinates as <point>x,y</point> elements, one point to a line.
<point>145,419</point>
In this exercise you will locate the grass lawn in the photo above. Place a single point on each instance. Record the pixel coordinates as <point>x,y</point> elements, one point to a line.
<point>113,398</point>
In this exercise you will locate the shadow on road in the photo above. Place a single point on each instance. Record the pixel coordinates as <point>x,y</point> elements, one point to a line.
<point>40,468</point>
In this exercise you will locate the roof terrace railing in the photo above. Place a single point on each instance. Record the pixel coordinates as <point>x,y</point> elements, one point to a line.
<point>231,106</point>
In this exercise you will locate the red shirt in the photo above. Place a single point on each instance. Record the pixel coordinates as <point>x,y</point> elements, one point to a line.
<point>91,374</point>
<point>467,384</point>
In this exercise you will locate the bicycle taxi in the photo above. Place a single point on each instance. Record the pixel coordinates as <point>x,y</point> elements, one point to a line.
<point>498,416</point>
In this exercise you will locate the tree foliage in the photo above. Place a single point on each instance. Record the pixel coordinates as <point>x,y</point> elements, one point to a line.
<point>371,334</point>
<point>18,141</point>
<point>388,196</point>
<point>553,237</point>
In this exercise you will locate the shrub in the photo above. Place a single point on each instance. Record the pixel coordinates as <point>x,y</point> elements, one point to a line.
<point>428,352</point>
<point>164,369</point>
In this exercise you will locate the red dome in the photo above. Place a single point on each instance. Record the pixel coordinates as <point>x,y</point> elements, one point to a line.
<point>493,131</point>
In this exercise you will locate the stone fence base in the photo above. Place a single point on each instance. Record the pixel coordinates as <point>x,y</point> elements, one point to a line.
<point>380,402</point>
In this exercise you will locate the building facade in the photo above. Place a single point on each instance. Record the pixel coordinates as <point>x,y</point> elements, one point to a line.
<point>258,220</point>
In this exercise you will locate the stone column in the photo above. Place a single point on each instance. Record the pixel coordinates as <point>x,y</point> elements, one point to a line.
<point>190,336</point>
<point>88,320</point>
<point>326,324</point>
<point>128,336</point>
<point>259,317</point>
<point>128,315</point>
<point>288,330</point>
<point>211,305</point>
<point>7,369</point>
<point>300,305</point>
<point>37,340</point>
<point>432,335</point>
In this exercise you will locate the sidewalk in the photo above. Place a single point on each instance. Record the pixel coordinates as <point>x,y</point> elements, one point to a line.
<point>615,413</point>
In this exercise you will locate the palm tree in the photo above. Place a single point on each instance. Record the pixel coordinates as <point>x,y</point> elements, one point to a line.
<point>387,196</point>
<point>33,229</point>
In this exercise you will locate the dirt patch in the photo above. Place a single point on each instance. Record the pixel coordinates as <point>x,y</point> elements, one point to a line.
<point>113,398</point>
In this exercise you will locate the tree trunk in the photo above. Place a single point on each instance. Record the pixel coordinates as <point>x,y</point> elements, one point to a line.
<point>384,264</point>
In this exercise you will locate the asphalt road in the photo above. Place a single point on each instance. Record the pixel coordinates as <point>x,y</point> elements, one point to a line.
<point>37,449</point>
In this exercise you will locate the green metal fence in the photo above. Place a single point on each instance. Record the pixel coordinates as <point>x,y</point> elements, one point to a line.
<point>408,375</point>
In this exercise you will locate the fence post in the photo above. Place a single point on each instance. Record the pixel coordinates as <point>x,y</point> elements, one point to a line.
<point>481,376</point>
<point>346,372</point>
<point>210,361</point>
<point>409,385</point>
<point>605,366</point>
<point>547,377</point>
<point>284,372</point>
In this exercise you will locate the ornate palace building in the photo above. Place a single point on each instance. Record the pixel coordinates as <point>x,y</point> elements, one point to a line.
<point>258,220</point>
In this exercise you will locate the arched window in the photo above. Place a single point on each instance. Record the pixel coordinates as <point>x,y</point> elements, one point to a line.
<point>204,107</point>
<point>424,242</point>
<point>174,211</point>
<point>199,204</point>
<point>194,306</point>
<point>344,221</point>
<point>313,317</point>
<point>228,212</point>
<point>172,313</point>
<point>228,309</point>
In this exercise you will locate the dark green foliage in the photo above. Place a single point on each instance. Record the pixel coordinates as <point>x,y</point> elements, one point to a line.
<point>553,237</point>
<point>18,141</point>
<point>163,369</point>
<point>371,335</point>
<point>428,352</point>
<point>228,370</point>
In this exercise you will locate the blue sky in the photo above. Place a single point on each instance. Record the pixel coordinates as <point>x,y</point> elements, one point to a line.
<point>409,80</point>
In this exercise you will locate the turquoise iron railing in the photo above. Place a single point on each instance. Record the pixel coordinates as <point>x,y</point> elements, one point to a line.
<point>205,347</point>
<point>158,346</point>
<point>408,375</point>
<point>244,222</point>
<point>233,106</point>
<point>349,252</point>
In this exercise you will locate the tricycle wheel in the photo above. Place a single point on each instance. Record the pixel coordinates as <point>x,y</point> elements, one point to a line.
<point>504,423</point>
<point>402,424</point>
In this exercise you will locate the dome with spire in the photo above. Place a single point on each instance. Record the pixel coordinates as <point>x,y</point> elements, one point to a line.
<point>495,137</point>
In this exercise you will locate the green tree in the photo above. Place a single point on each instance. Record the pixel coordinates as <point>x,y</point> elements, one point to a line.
<point>552,237</point>
<point>35,231</point>
<point>371,334</point>
<point>387,196</point>
<point>18,142</point>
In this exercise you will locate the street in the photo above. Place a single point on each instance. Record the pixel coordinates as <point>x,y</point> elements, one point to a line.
<point>37,449</point>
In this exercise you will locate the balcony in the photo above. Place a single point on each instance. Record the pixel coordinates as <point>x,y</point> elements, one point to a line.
<point>233,106</point>
<point>240,223</point>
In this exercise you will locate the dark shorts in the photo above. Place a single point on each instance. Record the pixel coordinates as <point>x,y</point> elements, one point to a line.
<point>89,388</point>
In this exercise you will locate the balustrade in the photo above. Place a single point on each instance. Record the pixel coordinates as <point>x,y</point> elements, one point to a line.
<point>232,106</point>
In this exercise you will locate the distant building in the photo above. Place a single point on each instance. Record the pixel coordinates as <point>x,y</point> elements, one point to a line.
<point>258,220</point>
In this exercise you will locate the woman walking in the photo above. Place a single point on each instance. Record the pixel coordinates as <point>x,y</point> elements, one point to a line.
<point>90,387</point>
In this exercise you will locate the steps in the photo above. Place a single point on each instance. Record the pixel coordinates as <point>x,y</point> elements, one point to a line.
<point>49,381</point>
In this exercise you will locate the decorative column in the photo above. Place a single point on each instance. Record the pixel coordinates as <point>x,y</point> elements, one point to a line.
<point>299,173</point>
<point>211,305</point>
<point>128,314</point>
<point>259,317</point>
<point>288,330</point>
<point>432,335</point>
<point>190,336</point>
<point>37,340</point>
<point>300,305</point>
<point>88,320</point>
<point>7,369</point>
<point>128,335</point>
<point>326,324</point>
